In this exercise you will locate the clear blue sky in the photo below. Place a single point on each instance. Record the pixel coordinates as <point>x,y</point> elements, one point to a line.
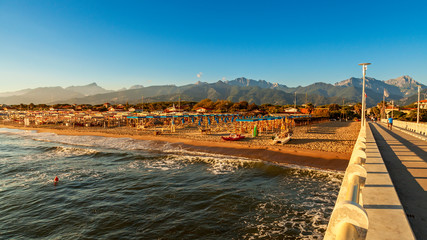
<point>124,43</point>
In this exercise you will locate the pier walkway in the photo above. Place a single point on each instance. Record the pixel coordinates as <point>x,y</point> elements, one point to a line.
<point>405,157</point>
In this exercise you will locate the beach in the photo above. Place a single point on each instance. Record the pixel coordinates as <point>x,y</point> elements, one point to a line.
<point>327,145</point>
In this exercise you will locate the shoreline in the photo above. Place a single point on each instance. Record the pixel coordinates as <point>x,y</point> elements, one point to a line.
<point>274,154</point>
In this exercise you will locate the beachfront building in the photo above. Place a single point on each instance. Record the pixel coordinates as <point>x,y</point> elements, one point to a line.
<point>391,108</point>
<point>203,110</point>
<point>291,110</point>
<point>423,104</point>
<point>304,110</point>
<point>174,109</point>
<point>116,109</point>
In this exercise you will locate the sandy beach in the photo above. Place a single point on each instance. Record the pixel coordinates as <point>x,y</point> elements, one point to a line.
<point>326,145</point>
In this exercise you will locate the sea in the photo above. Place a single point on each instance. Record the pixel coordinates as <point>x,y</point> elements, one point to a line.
<point>121,188</point>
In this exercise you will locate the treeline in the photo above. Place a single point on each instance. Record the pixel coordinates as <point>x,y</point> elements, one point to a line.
<point>219,106</point>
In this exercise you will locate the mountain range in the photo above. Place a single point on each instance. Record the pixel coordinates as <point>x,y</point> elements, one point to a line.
<point>241,89</point>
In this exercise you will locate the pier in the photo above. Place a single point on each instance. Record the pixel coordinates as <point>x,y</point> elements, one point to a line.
<point>383,194</point>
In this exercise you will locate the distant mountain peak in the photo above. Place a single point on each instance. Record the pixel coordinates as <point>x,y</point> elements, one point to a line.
<point>200,83</point>
<point>88,85</point>
<point>403,81</point>
<point>89,89</point>
<point>406,84</point>
<point>246,82</point>
<point>136,86</point>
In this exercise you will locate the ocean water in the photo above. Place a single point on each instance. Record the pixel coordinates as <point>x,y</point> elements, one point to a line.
<point>122,188</point>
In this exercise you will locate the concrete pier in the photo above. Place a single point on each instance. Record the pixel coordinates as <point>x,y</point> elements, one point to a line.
<point>406,159</point>
<point>369,207</point>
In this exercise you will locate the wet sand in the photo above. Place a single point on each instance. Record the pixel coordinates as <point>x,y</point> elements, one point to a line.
<point>325,145</point>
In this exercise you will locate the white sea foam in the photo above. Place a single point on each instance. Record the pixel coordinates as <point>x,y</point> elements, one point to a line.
<point>61,151</point>
<point>219,164</point>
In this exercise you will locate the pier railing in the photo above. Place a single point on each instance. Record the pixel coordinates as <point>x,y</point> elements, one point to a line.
<point>367,205</point>
<point>349,219</point>
<point>420,128</point>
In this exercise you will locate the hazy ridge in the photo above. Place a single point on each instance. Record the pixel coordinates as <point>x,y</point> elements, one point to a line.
<point>241,89</point>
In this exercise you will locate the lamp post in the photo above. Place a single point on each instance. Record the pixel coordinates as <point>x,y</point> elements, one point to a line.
<point>295,103</point>
<point>418,107</point>
<point>364,67</point>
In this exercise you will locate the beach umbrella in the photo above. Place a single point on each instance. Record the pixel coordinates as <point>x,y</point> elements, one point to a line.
<point>209,121</point>
<point>217,120</point>
<point>192,119</point>
<point>183,121</point>
<point>200,122</point>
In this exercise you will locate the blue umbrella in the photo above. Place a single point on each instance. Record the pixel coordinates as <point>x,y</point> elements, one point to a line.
<point>209,121</point>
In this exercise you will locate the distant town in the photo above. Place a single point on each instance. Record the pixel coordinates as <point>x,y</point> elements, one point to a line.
<point>86,114</point>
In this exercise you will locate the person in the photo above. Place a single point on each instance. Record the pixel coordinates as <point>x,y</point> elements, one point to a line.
<point>390,123</point>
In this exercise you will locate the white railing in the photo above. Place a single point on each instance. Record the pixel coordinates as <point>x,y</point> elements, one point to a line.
<point>420,128</point>
<point>349,219</point>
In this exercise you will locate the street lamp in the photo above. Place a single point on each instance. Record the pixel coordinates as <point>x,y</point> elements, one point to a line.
<point>418,107</point>
<point>364,67</point>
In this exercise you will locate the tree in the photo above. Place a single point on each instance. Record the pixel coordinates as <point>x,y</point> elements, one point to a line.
<point>376,111</point>
<point>240,106</point>
<point>334,107</point>
<point>205,103</point>
<point>358,108</point>
<point>264,107</point>
<point>235,107</point>
<point>252,107</point>
<point>272,109</point>
<point>222,106</point>
<point>398,114</point>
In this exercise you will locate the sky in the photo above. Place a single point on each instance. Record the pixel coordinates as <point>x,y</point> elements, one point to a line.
<point>124,43</point>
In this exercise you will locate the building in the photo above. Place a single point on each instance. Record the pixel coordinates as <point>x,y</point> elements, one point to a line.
<point>203,110</point>
<point>304,110</point>
<point>391,108</point>
<point>173,109</point>
<point>423,104</point>
<point>291,110</point>
<point>408,110</point>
